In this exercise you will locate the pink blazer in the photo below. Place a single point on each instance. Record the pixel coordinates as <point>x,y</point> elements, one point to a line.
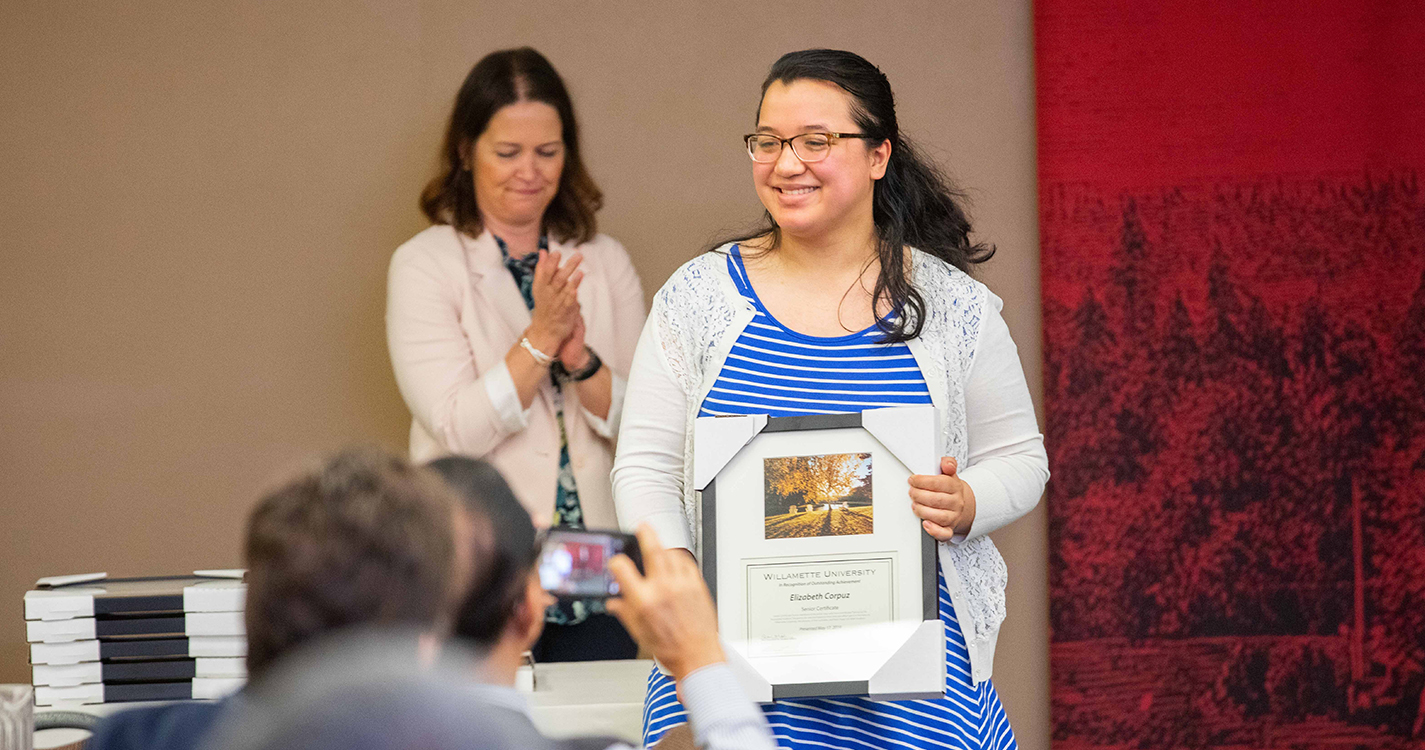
<point>453,312</point>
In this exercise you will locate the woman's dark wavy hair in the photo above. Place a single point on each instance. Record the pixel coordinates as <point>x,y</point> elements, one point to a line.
<point>500,79</point>
<point>914,204</point>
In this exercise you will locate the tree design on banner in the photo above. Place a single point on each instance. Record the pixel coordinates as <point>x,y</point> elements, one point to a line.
<point>1239,457</point>
<point>1233,272</point>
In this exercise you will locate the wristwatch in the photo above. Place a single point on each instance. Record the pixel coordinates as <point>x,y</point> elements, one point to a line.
<point>588,371</point>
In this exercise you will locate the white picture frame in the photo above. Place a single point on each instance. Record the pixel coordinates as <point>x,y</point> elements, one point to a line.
<point>838,597</point>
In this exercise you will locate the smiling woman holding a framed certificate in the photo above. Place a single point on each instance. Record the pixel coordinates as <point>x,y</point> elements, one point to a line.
<point>831,416</point>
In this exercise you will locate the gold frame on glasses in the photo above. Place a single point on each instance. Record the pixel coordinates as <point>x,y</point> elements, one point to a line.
<point>831,137</point>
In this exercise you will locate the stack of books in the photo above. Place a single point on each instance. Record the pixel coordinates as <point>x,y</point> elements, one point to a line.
<point>95,639</point>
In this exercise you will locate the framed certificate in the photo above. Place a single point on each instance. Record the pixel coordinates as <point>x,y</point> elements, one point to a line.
<point>823,577</point>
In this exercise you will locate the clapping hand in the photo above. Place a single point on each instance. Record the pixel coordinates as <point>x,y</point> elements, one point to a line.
<point>572,353</point>
<point>556,312</point>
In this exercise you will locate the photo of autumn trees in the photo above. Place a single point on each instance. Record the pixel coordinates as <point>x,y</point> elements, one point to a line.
<point>826,495</point>
<point>1235,408</point>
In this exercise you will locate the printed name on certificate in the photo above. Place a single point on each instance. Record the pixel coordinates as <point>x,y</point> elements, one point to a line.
<point>801,608</point>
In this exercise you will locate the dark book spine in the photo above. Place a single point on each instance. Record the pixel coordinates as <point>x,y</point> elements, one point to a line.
<point>129,626</point>
<point>113,605</point>
<point>143,648</point>
<point>149,671</point>
<point>148,691</point>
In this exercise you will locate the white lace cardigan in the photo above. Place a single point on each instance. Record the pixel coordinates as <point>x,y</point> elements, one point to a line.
<point>971,367</point>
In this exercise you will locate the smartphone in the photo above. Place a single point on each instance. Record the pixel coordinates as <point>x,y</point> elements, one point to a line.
<point>574,563</point>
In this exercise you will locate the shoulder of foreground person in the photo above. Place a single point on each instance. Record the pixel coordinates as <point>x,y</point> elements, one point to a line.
<point>174,726</point>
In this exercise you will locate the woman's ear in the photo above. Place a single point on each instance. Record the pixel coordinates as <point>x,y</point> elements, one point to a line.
<point>880,158</point>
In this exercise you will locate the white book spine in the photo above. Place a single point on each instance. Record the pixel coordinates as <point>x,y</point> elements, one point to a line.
<point>64,653</point>
<point>214,623</point>
<point>68,675</point>
<point>215,596</point>
<point>217,645</point>
<point>60,631</point>
<point>61,604</point>
<point>220,667</point>
<point>82,694</point>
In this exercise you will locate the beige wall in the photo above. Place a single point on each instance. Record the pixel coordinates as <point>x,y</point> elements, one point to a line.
<point>198,200</point>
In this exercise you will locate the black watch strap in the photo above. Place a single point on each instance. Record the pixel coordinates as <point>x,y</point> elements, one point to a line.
<point>588,371</point>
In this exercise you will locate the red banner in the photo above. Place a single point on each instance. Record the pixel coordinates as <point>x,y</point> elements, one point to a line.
<point>1233,261</point>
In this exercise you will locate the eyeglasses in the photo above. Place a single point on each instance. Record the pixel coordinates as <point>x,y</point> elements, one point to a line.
<point>809,147</point>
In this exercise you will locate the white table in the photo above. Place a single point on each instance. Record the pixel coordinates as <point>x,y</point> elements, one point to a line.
<point>591,698</point>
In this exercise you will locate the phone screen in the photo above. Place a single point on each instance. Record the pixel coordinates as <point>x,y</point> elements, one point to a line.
<point>574,564</point>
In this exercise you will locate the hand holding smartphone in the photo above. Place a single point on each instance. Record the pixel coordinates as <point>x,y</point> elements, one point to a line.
<point>668,610</point>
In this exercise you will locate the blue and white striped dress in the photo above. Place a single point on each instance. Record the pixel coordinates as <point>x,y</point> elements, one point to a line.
<point>776,371</point>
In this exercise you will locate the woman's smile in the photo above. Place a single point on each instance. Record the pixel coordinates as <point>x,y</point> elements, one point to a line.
<point>795,196</point>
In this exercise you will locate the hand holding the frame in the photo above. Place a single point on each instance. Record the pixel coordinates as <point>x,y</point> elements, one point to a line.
<point>945,503</point>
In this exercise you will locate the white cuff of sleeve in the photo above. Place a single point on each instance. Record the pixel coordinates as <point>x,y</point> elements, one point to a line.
<point>671,528</point>
<point>713,698</point>
<point>500,387</point>
<point>991,502</point>
<point>607,428</point>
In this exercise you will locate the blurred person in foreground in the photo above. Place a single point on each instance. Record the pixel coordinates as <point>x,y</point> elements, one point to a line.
<point>362,539</point>
<point>667,609</point>
<point>365,690</point>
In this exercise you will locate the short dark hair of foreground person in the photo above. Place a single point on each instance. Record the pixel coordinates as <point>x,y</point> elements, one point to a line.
<point>364,540</point>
